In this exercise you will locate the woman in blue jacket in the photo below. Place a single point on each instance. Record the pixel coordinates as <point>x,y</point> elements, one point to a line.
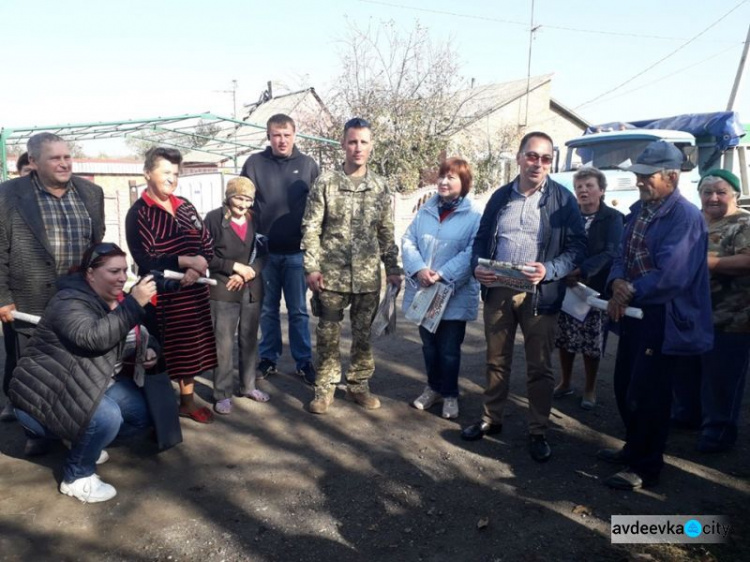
<point>437,247</point>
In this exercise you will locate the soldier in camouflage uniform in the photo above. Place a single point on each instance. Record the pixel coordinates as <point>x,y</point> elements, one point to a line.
<point>347,231</point>
<point>724,368</point>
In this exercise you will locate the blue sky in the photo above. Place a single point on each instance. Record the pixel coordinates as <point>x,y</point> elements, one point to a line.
<point>83,61</point>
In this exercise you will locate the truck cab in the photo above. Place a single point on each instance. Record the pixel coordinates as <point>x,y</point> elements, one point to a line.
<point>611,150</point>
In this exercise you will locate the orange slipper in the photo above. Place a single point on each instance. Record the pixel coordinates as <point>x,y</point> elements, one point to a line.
<point>201,415</point>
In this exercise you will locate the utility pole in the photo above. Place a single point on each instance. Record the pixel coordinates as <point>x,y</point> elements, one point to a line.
<point>740,71</point>
<point>532,30</point>
<point>233,91</point>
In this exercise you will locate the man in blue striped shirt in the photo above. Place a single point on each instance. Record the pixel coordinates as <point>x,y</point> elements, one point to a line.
<point>533,222</point>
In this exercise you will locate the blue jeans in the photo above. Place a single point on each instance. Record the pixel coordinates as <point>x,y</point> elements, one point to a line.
<point>442,356</point>
<point>285,272</point>
<point>122,412</point>
<point>722,386</point>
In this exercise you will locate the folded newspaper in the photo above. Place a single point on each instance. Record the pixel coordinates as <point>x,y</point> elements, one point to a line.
<point>508,275</point>
<point>428,306</point>
<point>575,303</point>
<point>384,323</point>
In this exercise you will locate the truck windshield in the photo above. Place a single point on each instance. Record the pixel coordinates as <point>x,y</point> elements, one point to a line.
<point>606,155</point>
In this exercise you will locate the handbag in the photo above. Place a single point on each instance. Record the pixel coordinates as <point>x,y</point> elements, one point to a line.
<point>162,406</point>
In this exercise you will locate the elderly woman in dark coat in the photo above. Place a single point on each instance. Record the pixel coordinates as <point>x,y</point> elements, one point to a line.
<point>237,296</point>
<point>604,227</point>
<point>68,385</point>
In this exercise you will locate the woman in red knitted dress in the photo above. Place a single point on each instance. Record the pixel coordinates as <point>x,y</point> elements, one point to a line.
<point>166,232</point>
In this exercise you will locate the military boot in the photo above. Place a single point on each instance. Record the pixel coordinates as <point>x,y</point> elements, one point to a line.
<point>364,399</point>
<point>323,399</point>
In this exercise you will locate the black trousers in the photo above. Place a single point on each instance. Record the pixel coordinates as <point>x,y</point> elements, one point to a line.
<point>643,389</point>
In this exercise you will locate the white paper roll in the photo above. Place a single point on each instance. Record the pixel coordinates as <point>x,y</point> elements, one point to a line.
<point>168,274</point>
<point>630,311</point>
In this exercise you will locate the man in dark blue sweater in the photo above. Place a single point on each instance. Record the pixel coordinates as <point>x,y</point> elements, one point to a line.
<point>282,176</point>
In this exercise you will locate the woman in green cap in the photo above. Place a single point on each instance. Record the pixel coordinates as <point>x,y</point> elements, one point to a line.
<point>724,368</point>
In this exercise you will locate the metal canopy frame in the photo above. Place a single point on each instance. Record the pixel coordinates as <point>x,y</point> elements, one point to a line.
<point>234,138</point>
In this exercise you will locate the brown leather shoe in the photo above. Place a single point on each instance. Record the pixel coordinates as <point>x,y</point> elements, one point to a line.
<point>364,399</point>
<point>322,401</point>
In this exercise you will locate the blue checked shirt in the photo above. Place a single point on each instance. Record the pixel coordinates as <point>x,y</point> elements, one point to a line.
<point>519,232</point>
<point>638,260</point>
<point>67,223</point>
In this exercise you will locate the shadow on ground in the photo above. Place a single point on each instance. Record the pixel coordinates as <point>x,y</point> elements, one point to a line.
<point>272,482</point>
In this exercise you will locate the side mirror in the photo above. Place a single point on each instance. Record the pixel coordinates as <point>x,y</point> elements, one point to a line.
<point>691,158</point>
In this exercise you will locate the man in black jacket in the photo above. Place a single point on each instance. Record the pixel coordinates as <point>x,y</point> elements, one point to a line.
<point>282,176</point>
<point>47,220</point>
<point>534,223</point>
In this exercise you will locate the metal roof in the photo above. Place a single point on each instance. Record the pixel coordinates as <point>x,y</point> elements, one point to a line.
<point>232,138</point>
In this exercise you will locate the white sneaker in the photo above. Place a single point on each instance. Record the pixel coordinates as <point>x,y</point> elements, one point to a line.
<point>103,457</point>
<point>426,399</point>
<point>89,490</point>
<point>450,408</point>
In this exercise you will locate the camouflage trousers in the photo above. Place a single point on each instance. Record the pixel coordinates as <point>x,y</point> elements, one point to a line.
<point>328,334</point>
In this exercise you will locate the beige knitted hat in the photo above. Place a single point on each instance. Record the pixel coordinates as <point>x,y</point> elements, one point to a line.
<point>240,186</point>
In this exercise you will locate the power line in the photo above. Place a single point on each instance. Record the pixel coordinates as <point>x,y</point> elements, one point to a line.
<point>644,71</point>
<point>520,23</point>
<point>655,80</point>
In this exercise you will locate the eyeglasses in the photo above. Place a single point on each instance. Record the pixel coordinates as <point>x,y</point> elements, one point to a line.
<point>533,157</point>
<point>356,123</point>
<point>102,250</point>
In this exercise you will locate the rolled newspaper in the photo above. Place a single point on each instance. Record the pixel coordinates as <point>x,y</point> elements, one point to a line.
<point>168,274</point>
<point>23,317</point>
<point>630,311</point>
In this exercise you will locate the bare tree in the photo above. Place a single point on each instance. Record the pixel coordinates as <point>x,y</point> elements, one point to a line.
<point>76,150</point>
<point>492,157</point>
<point>410,88</point>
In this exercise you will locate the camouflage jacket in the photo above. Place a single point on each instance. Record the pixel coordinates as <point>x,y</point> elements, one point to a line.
<point>347,230</point>
<point>730,294</point>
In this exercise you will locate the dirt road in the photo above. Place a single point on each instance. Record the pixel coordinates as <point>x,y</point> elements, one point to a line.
<point>272,482</point>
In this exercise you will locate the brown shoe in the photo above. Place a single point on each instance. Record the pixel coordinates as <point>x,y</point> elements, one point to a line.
<point>322,401</point>
<point>364,399</point>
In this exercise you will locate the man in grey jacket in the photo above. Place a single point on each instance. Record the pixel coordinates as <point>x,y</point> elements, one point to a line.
<point>47,220</point>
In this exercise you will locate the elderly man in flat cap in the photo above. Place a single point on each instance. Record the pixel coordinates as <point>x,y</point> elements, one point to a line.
<point>661,268</point>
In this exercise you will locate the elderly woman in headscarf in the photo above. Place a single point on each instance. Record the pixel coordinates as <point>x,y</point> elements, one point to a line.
<point>237,296</point>
<point>724,368</point>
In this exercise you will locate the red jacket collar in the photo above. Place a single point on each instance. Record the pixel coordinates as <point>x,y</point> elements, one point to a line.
<point>174,200</point>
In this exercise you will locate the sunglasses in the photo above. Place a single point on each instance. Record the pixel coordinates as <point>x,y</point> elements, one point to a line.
<point>100,251</point>
<point>356,123</point>
<point>534,157</point>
